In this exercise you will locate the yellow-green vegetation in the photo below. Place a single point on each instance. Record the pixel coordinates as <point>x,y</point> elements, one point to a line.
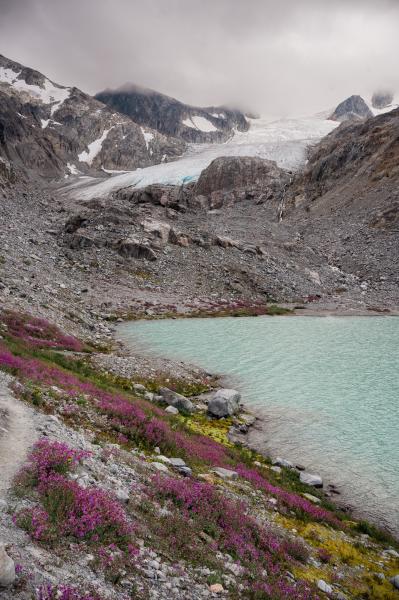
<point>360,561</point>
<point>213,428</point>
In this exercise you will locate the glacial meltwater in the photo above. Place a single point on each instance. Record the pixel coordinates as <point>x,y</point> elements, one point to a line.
<point>327,386</point>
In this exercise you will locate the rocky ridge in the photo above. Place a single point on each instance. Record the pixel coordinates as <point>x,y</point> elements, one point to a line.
<point>173,118</point>
<point>54,131</point>
<point>352,108</point>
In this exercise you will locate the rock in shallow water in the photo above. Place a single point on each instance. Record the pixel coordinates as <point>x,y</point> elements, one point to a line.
<point>224,403</point>
<point>281,462</point>
<point>7,568</point>
<point>313,480</point>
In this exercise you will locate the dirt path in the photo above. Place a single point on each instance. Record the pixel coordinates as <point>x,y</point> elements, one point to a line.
<point>17,433</point>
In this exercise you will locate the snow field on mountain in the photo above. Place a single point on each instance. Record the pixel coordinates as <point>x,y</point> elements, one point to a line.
<point>49,94</point>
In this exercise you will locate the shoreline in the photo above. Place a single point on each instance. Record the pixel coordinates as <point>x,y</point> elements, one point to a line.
<point>342,494</point>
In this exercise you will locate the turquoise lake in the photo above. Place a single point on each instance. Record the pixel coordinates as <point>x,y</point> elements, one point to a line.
<point>328,388</point>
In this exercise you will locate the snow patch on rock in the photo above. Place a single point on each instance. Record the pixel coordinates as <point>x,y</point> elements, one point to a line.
<point>200,123</point>
<point>94,148</point>
<point>148,137</point>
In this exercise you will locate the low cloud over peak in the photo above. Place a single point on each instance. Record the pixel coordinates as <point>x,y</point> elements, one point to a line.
<point>279,58</point>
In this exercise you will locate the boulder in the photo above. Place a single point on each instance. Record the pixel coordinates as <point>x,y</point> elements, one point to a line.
<point>324,587</point>
<point>395,581</point>
<point>225,403</point>
<point>177,462</point>
<point>157,228</point>
<point>78,240</point>
<point>179,239</point>
<point>133,248</point>
<point>225,242</point>
<point>7,568</point>
<point>160,467</point>
<point>172,410</point>
<point>313,480</point>
<point>225,473</point>
<point>181,403</point>
<point>281,462</point>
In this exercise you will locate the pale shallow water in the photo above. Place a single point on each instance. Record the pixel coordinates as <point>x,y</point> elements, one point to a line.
<point>328,386</point>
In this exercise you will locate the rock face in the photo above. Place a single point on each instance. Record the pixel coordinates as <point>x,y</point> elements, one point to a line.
<point>236,172</point>
<point>351,109</point>
<point>382,99</point>
<point>224,403</point>
<point>173,118</point>
<point>7,568</point>
<point>356,152</point>
<point>55,131</point>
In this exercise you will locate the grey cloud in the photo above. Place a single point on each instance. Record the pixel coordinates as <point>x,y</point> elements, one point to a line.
<point>277,57</point>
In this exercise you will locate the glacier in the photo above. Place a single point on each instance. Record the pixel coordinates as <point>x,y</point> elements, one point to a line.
<point>284,140</point>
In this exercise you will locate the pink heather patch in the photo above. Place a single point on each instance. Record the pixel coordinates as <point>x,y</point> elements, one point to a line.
<point>47,457</point>
<point>67,509</point>
<point>88,514</point>
<point>35,332</point>
<point>62,592</point>
<point>234,531</point>
<point>135,423</point>
<point>288,498</point>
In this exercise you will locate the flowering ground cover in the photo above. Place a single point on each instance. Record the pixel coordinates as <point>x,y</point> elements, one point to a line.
<point>246,520</point>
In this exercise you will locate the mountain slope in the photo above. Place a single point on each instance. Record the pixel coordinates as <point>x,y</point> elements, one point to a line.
<point>52,130</point>
<point>171,117</point>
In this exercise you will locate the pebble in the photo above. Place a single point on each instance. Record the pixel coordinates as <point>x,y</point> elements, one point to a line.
<point>311,498</point>
<point>216,588</point>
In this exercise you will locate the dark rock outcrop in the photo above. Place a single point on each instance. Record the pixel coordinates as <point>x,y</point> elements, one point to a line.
<point>352,108</point>
<point>236,172</point>
<point>382,99</point>
<point>133,248</point>
<point>173,118</point>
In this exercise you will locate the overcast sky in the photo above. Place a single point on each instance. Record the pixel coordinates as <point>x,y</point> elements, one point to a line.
<point>278,57</point>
